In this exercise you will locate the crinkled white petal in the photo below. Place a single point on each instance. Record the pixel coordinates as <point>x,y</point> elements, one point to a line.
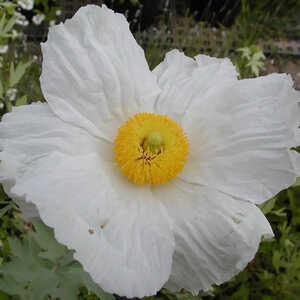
<point>240,135</point>
<point>121,234</point>
<point>215,235</point>
<point>184,80</point>
<point>30,132</point>
<point>94,73</point>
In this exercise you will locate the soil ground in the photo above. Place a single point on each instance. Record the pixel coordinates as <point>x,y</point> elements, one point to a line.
<point>285,65</point>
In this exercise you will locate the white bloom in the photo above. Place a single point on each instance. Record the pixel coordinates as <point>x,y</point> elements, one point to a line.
<point>38,19</point>
<point>15,34</point>
<point>11,94</point>
<point>1,105</point>
<point>52,23</point>
<point>3,49</point>
<point>21,19</point>
<point>61,159</point>
<point>58,12</point>
<point>26,4</point>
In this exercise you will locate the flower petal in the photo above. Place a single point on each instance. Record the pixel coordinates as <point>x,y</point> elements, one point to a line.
<point>94,74</point>
<point>184,80</point>
<point>215,235</point>
<point>240,137</point>
<point>121,235</point>
<point>30,132</point>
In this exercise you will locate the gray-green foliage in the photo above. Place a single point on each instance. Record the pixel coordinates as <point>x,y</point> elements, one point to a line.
<point>39,267</point>
<point>274,18</point>
<point>6,25</point>
<point>250,61</point>
<point>12,70</point>
<point>10,78</point>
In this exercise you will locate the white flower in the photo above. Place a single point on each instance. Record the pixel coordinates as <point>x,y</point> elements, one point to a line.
<point>52,23</point>
<point>58,12</point>
<point>21,19</point>
<point>11,94</point>
<point>67,162</point>
<point>16,34</point>
<point>26,4</point>
<point>38,19</point>
<point>1,105</point>
<point>3,49</point>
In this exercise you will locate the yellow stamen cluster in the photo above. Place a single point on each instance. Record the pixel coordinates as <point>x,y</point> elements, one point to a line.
<point>150,148</point>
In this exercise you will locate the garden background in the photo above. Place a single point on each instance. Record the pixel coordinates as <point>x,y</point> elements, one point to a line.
<point>260,36</point>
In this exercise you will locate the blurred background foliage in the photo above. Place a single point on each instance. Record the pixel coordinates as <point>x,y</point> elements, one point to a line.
<point>253,33</point>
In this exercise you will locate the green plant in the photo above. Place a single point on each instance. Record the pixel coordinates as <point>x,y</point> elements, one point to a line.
<point>39,266</point>
<point>250,61</point>
<point>268,19</point>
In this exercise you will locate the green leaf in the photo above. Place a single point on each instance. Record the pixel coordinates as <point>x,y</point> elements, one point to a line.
<point>2,194</point>
<point>10,24</point>
<point>41,267</point>
<point>50,248</point>
<point>10,286</point>
<point>293,194</point>
<point>6,25</point>
<point>1,90</point>
<point>279,212</point>
<point>21,101</point>
<point>17,73</point>
<point>2,23</point>
<point>4,296</point>
<point>268,206</point>
<point>267,298</point>
<point>134,2</point>
<point>246,52</point>
<point>4,210</point>
<point>8,106</point>
<point>72,279</point>
<point>25,265</point>
<point>297,183</point>
<point>242,293</point>
<point>276,260</point>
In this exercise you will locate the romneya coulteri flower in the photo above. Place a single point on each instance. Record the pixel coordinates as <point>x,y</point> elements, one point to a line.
<point>151,177</point>
<point>21,19</point>
<point>38,19</point>
<point>3,49</point>
<point>11,94</point>
<point>26,4</point>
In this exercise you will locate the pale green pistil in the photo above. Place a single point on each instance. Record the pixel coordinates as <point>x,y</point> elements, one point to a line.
<point>153,142</point>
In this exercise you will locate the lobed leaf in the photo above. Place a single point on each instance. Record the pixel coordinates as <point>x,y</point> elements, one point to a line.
<point>17,73</point>
<point>40,267</point>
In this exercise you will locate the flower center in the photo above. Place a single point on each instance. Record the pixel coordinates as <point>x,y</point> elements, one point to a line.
<point>150,148</point>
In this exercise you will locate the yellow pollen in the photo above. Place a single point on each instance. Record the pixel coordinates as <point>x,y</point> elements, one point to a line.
<point>150,148</point>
